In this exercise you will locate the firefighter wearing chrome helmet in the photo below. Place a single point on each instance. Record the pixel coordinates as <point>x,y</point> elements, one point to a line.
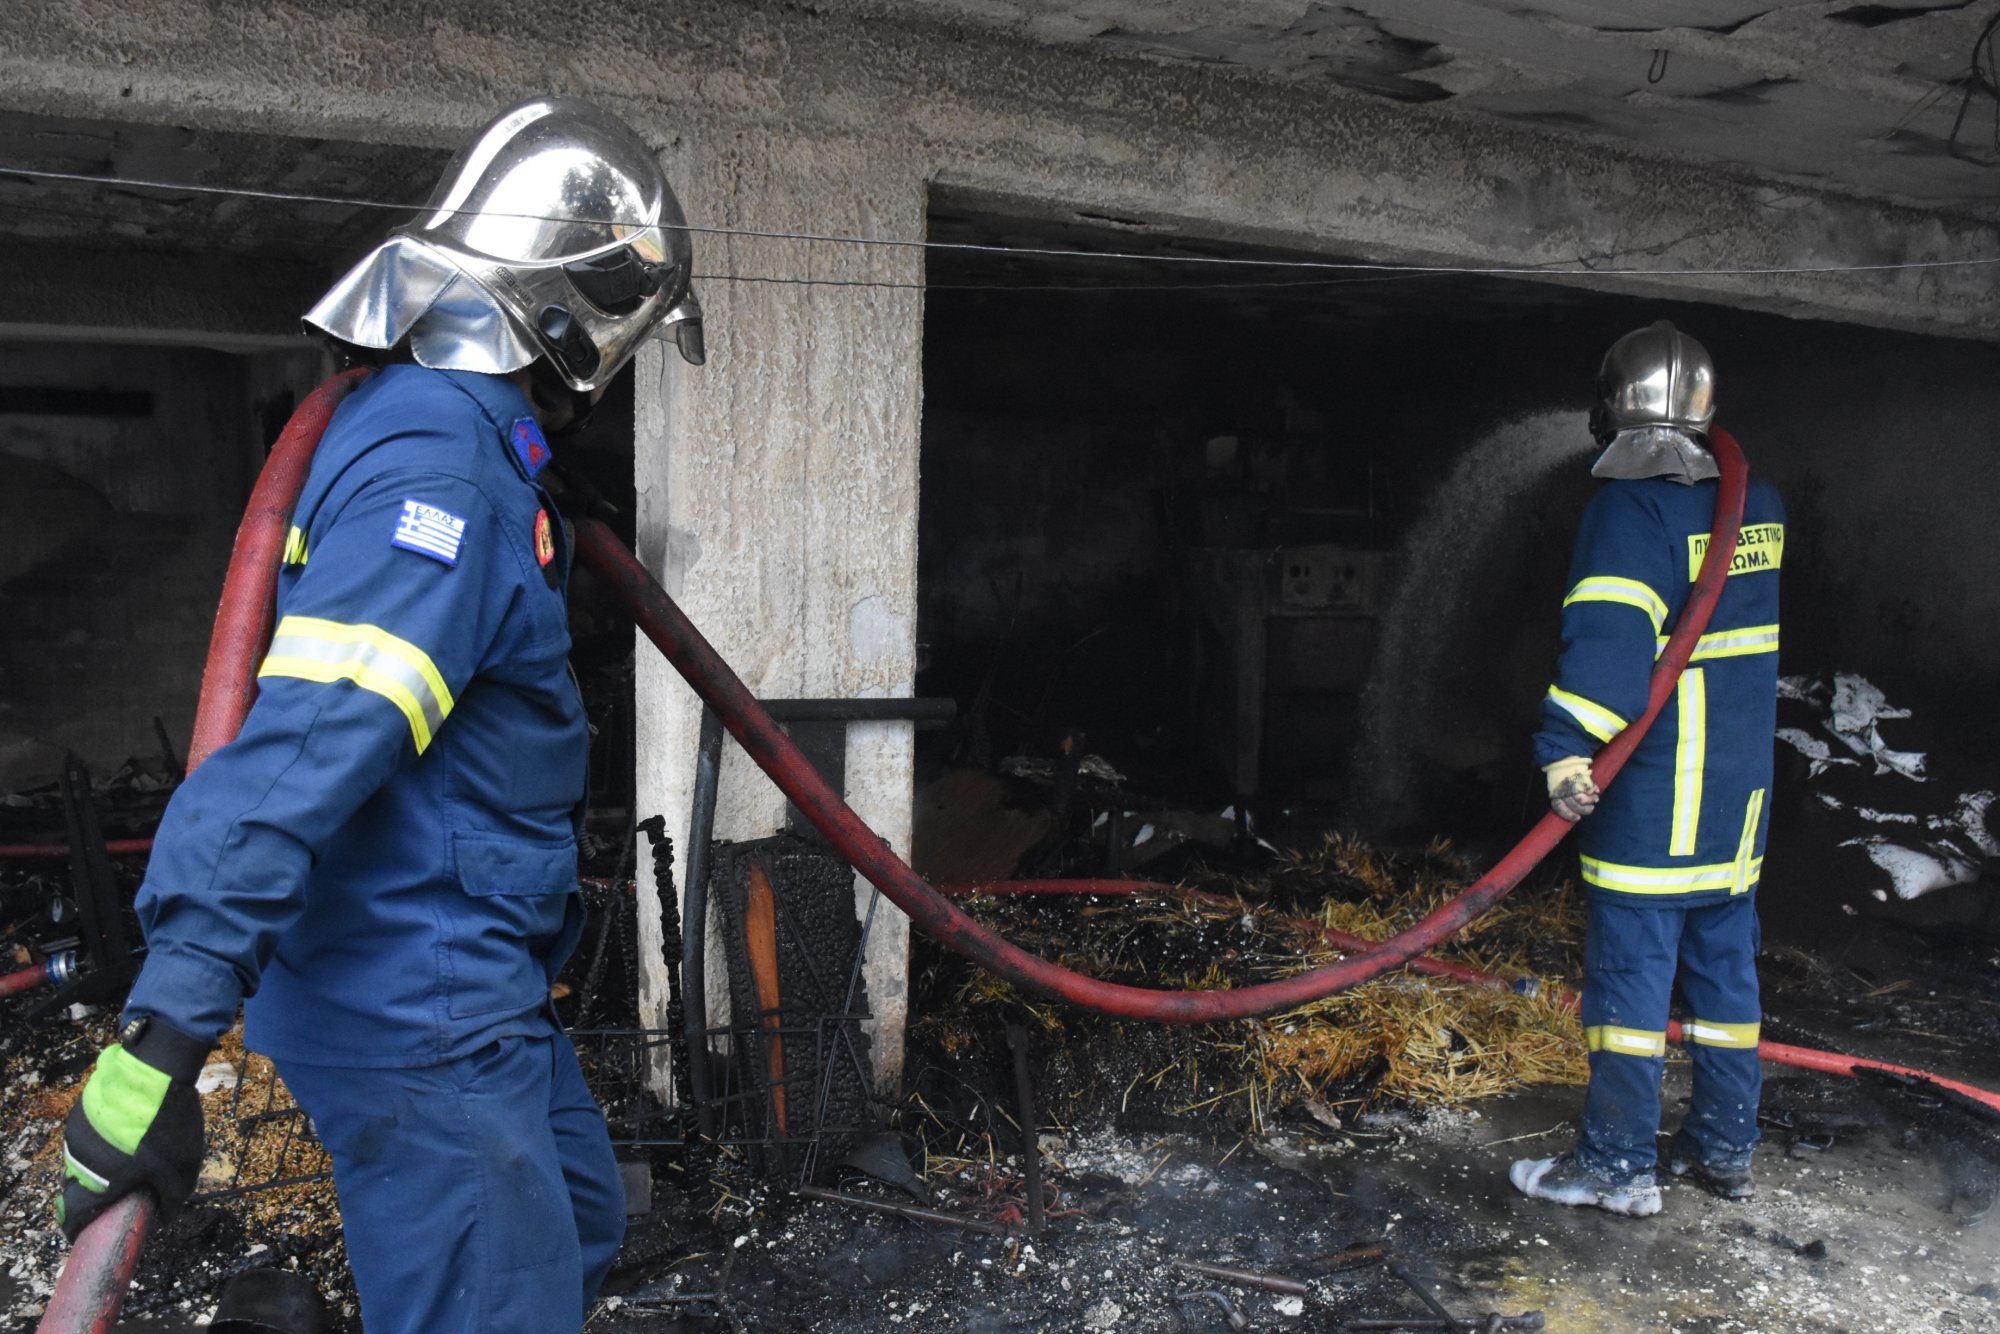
<point>1672,852</point>
<point>382,867</point>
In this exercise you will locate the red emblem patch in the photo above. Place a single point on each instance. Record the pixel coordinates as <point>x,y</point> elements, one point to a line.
<point>545,538</point>
<point>529,446</point>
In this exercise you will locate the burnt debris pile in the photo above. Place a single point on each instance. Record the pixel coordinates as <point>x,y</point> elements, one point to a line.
<point>1403,1037</point>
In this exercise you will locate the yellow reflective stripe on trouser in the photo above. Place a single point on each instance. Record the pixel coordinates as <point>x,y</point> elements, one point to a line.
<point>1746,865</point>
<point>1595,719</point>
<point>1690,753</point>
<point>1625,1041</point>
<point>310,649</point>
<point>1630,592</point>
<point>1708,1033</point>
<point>1729,643</point>
<point>295,547</point>
<point>1669,879</point>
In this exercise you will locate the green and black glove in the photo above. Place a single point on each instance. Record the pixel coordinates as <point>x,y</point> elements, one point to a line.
<point>138,1123</point>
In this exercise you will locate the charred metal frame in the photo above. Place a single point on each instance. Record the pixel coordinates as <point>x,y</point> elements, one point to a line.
<point>820,726</point>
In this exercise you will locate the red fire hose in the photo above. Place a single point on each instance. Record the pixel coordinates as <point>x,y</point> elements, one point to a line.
<point>244,618</point>
<point>1777,1053</point>
<point>106,1254</point>
<point>722,690</point>
<point>973,889</point>
<point>25,979</point>
<point>243,627</point>
<point>101,1264</point>
<point>100,1269</point>
<point>117,847</point>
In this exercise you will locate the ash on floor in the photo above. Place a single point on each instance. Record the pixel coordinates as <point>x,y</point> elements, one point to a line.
<point>1863,1223</point>
<point>1873,1214</point>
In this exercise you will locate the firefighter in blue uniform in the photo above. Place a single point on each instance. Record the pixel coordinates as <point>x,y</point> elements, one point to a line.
<point>382,867</point>
<point>1671,853</point>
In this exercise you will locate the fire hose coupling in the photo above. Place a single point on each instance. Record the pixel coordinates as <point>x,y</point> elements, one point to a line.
<point>60,968</point>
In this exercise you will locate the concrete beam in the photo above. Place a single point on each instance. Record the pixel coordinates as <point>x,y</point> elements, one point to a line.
<point>76,293</point>
<point>1224,152</point>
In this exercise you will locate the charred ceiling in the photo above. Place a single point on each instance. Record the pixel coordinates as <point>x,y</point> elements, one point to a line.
<point>319,235</point>
<point>1887,100</point>
<point>201,262</point>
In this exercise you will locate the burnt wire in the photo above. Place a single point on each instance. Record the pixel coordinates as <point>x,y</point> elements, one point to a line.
<point>655,829</point>
<point>1978,79</point>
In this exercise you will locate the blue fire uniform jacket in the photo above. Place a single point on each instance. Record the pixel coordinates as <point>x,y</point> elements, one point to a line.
<point>1683,826</point>
<point>384,862</point>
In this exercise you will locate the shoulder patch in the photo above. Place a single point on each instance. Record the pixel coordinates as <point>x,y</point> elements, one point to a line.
<point>429,531</point>
<point>530,445</point>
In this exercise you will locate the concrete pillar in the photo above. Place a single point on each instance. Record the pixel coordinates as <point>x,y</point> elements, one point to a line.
<point>778,496</point>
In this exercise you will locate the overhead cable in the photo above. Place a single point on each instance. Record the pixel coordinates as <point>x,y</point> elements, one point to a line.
<point>1583,267</point>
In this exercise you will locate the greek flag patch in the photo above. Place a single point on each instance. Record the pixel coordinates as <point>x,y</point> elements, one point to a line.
<point>430,531</point>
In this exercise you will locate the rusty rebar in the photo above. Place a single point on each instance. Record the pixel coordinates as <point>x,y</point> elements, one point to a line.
<point>1247,1278</point>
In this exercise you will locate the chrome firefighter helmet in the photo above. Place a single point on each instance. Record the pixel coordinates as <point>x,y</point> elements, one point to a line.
<point>1655,376</point>
<point>553,234</point>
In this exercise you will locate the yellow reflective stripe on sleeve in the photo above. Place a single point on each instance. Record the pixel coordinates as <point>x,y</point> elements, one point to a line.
<point>1708,1033</point>
<point>310,649</point>
<point>1630,592</point>
<point>1595,719</point>
<point>1759,547</point>
<point>1729,643</point>
<point>295,547</point>
<point>1668,879</point>
<point>1690,754</point>
<point>1745,864</point>
<point>1625,1041</point>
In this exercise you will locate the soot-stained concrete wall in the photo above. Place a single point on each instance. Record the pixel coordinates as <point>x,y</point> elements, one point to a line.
<point>127,468</point>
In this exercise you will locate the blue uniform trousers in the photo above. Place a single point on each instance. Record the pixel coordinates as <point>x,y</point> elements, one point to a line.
<point>1631,958</point>
<point>479,1195</point>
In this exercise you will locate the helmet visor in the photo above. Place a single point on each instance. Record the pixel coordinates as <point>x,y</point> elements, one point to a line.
<point>617,282</point>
